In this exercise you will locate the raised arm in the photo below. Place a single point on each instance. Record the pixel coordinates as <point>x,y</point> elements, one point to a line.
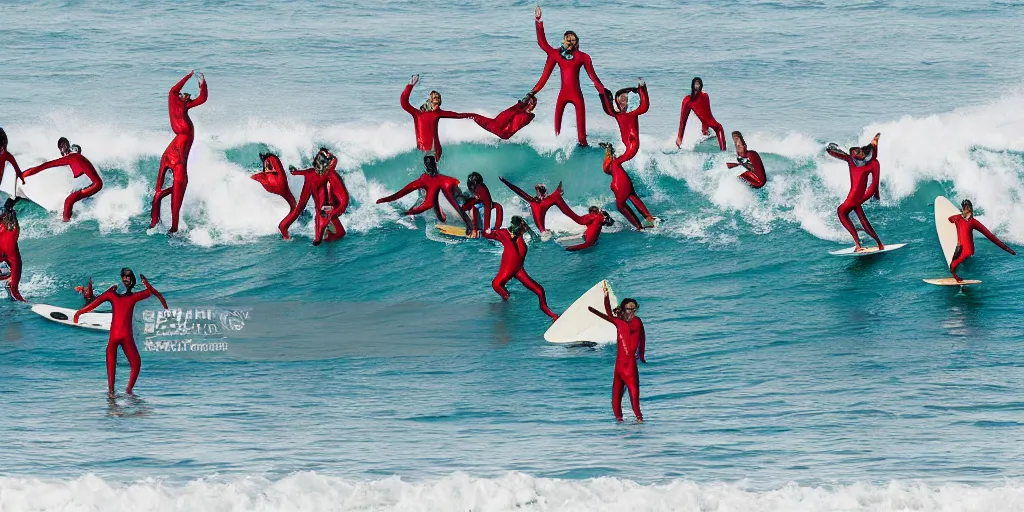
<point>204,93</point>
<point>104,297</point>
<point>589,66</point>
<point>176,90</point>
<point>873,189</point>
<point>976,224</point>
<point>518,191</point>
<point>684,112</point>
<point>607,318</point>
<point>606,102</point>
<point>542,39</point>
<point>607,301</point>
<point>404,100</point>
<point>42,167</point>
<point>152,291</point>
<point>833,150</point>
<point>645,100</point>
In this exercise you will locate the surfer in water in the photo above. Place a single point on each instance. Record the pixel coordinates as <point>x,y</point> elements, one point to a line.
<point>750,160</point>
<point>540,203</point>
<point>595,220</point>
<point>512,259</point>
<point>121,335</point>
<point>86,292</point>
<point>6,157</point>
<point>622,186</point>
<point>71,156</point>
<point>175,157</point>
<point>330,198</point>
<point>699,103</point>
<point>426,118</point>
<point>481,195</point>
<point>863,163</point>
<point>433,184</point>
<point>9,252</point>
<point>510,120</point>
<point>273,178</point>
<point>628,120</point>
<point>966,224</point>
<point>569,59</point>
<point>631,339</point>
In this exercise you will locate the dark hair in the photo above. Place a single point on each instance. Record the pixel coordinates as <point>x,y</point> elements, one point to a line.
<point>593,209</point>
<point>966,203</point>
<point>568,32</point>
<point>627,300</point>
<point>738,135</point>
<point>693,87</point>
<point>517,225</point>
<point>3,137</point>
<point>473,180</point>
<point>63,141</point>
<point>430,164</point>
<point>542,188</point>
<point>127,272</point>
<point>76,148</point>
<point>530,97</point>
<point>608,220</point>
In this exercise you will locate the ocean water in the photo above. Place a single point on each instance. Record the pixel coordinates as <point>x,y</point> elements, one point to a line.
<point>383,373</point>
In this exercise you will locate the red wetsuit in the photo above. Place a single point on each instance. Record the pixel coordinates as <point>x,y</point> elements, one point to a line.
<point>629,121</point>
<point>594,222</point>
<point>754,175</point>
<point>540,207</point>
<point>275,180</point>
<point>631,339</point>
<point>79,166</point>
<point>9,253</point>
<point>432,186</point>
<point>326,189</point>
<point>175,157</point>
<point>482,195</point>
<point>6,156</point>
<point>570,92</point>
<point>499,213</point>
<point>426,123</point>
<point>508,122</point>
<point>512,259</point>
<point>702,107</point>
<point>622,186</point>
<point>965,240</point>
<point>860,192</point>
<point>121,334</point>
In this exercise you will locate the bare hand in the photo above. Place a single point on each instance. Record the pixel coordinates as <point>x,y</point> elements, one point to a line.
<point>679,142</point>
<point>536,12</point>
<point>604,286</point>
<point>874,142</point>
<point>640,82</point>
<point>202,79</point>
<point>415,80</point>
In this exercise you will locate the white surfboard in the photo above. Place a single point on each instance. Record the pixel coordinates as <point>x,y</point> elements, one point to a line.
<point>578,324</point>
<point>950,281</point>
<point>849,251</point>
<point>48,189</point>
<point>65,316</point>
<point>944,209</point>
<point>568,241</point>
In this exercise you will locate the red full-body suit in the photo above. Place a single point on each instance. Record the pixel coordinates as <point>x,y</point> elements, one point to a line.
<point>630,340</point>
<point>5,157</point>
<point>701,106</point>
<point>539,207</point>
<point>628,121</point>
<point>965,240</point>
<point>326,189</point>
<point>860,192</point>
<point>570,92</point>
<point>426,122</point>
<point>10,254</point>
<point>275,181</point>
<point>513,257</point>
<point>622,186</point>
<point>432,186</point>
<point>79,166</point>
<point>175,157</point>
<point>508,122</point>
<point>594,222</point>
<point>754,174</point>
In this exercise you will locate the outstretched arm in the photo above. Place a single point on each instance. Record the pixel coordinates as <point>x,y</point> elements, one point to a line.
<point>564,208</point>
<point>204,92</point>
<point>300,172</point>
<point>833,150</point>
<point>589,66</point>
<point>176,90</point>
<point>104,297</point>
<point>41,167</point>
<point>518,191</point>
<point>153,291</point>
<point>448,114</point>
<point>455,204</point>
<point>406,190</point>
<point>607,318</point>
<point>549,66</point>
<point>684,112</point>
<point>404,100</point>
<point>606,102</point>
<point>7,157</point>
<point>988,234</point>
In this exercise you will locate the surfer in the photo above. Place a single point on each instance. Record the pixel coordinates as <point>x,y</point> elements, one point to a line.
<point>699,102</point>
<point>273,178</point>
<point>71,156</point>
<point>863,163</point>
<point>622,186</point>
<point>510,120</point>
<point>512,259</point>
<point>594,220</point>
<point>9,252</point>
<point>426,118</point>
<point>541,203</point>
<point>631,339</point>
<point>750,160</point>
<point>330,198</point>
<point>628,120</point>
<point>86,292</point>
<point>569,59</point>
<point>481,195</point>
<point>6,157</point>
<point>432,183</point>
<point>175,157</point>
<point>123,309</point>
<point>966,224</point>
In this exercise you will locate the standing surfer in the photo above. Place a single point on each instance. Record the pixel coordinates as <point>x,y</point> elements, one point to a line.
<point>863,163</point>
<point>426,118</point>
<point>432,183</point>
<point>175,157</point>
<point>330,198</point>
<point>966,224</point>
<point>699,103</point>
<point>71,156</point>
<point>622,186</point>
<point>9,252</point>
<point>595,220</point>
<point>628,120</point>
<point>631,339</point>
<point>750,160</point>
<point>512,259</point>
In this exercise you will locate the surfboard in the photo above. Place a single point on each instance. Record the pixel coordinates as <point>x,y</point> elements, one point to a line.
<point>545,236</point>
<point>65,316</point>
<point>868,251</point>
<point>569,241</point>
<point>578,324</point>
<point>949,281</point>
<point>448,229</point>
<point>944,209</point>
<point>47,189</point>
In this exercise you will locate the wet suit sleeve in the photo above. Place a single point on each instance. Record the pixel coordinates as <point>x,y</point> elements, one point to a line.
<point>302,172</point>
<point>406,190</point>
<point>643,341</point>
<point>518,191</point>
<point>645,102</point>
<point>835,152</point>
<point>448,114</point>
<point>14,163</point>
<point>564,208</point>
<point>150,292</point>
<point>204,93</point>
<point>176,90</point>
<point>589,66</point>
<point>606,102</point>
<point>549,65</point>
<point>340,194</point>
<point>684,112</point>
<point>404,100</point>
<point>607,318</point>
<point>41,167</point>
<point>988,234</point>
<point>104,297</point>
<point>608,304</point>
<point>875,174</point>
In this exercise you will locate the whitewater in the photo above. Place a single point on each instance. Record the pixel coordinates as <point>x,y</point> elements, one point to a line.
<point>383,373</point>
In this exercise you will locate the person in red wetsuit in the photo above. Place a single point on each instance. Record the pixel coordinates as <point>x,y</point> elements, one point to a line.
<point>6,157</point>
<point>480,195</point>
<point>699,102</point>
<point>863,163</point>
<point>750,160</point>
<point>510,120</point>
<point>273,178</point>
<point>426,119</point>
<point>9,252</point>
<point>569,59</point>
<point>86,292</point>
<point>541,203</point>
<point>175,157</point>
<point>121,334</point>
<point>594,221</point>
<point>622,186</point>
<point>433,184</point>
<point>966,224</point>
<point>631,339</point>
<point>330,198</point>
<point>628,120</point>
<point>71,156</point>
<point>512,258</point>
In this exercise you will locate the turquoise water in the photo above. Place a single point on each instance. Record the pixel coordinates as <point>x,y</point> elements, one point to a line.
<point>382,372</point>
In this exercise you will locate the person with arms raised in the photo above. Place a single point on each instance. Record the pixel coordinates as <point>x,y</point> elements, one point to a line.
<point>71,156</point>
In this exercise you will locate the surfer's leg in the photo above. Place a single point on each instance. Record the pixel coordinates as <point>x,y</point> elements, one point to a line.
<point>78,195</point>
<point>617,385</point>
<point>131,352</point>
<point>720,133</point>
<point>178,196</point>
<point>111,365</point>
<point>633,383</point>
<point>958,258</point>
<point>287,221</point>
<point>627,212</point>
<point>641,207</point>
<point>581,121</point>
<point>536,288</point>
<point>160,192</point>
<point>559,110</point>
<point>500,281</point>
<point>428,203</point>
<point>867,226</point>
<point>844,219</point>
<point>14,262</point>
